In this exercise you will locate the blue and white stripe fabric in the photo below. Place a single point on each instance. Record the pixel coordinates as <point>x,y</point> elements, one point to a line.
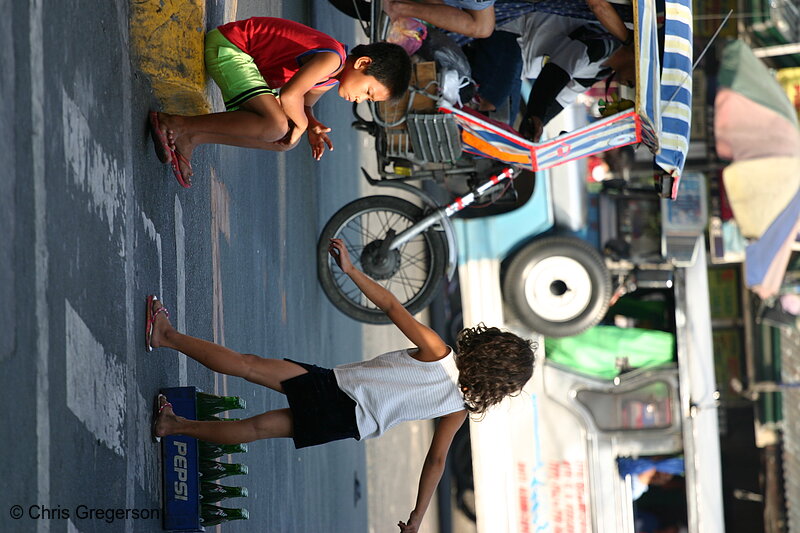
<point>612,132</point>
<point>648,69</point>
<point>676,89</point>
<point>485,139</point>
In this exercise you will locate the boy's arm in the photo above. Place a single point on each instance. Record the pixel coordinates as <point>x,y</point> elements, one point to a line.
<point>433,467</point>
<point>469,22</point>
<point>431,346</point>
<point>320,66</point>
<point>317,131</point>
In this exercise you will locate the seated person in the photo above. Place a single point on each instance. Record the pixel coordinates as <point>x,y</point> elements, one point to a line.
<point>646,472</point>
<point>271,72</point>
<point>563,56</point>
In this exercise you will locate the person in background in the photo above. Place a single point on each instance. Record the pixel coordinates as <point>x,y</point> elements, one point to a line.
<point>471,18</point>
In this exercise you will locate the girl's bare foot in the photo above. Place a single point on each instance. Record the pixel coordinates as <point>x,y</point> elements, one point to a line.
<point>161,325</point>
<point>167,422</point>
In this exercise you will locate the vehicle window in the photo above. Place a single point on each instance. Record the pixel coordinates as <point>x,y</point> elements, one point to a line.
<point>648,407</point>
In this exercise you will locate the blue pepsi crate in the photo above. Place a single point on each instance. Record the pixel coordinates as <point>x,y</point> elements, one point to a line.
<point>180,472</point>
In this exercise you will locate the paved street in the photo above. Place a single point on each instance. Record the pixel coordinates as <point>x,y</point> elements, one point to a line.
<point>93,223</point>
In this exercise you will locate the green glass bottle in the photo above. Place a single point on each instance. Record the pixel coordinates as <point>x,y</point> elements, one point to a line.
<point>214,492</point>
<point>209,450</point>
<point>213,470</point>
<point>211,515</point>
<point>213,418</point>
<point>211,404</point>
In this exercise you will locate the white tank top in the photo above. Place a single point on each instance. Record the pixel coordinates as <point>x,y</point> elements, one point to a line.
<point>394,387</point>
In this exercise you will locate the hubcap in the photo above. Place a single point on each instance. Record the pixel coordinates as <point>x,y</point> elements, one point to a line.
<point>558,288</point>
<point>378,265</point>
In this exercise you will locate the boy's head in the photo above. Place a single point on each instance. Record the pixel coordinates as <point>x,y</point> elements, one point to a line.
<point>492,364</point>
<point>377,72</point>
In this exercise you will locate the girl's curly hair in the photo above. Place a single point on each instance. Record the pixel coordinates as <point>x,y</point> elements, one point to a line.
<point>492,364</point>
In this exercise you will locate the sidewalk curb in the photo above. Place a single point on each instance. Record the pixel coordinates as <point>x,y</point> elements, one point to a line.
<point>167,40</point>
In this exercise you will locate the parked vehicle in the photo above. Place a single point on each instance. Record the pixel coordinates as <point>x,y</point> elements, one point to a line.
<point>546,459</point>
<point>411,248</point>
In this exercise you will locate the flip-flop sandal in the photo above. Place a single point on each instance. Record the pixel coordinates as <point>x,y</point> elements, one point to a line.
<point>160,140</point>
<point>158,408</point>
<point>176,168</point>
<point>150,322</point>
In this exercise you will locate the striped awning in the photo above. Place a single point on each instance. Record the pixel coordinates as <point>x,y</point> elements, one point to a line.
<point>648,69</point>
<point>488,138</point>
<point>676,89</point>
<point>606,134</point>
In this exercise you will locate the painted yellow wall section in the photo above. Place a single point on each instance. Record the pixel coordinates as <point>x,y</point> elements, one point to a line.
<point>167,38</point>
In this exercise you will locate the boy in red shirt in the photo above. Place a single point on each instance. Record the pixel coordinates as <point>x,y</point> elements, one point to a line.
<point>249,60</point>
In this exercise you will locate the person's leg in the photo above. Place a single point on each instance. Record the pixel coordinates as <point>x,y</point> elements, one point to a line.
<point>260,120</point>
<point>213,138</point>
<point>269,425</point>
<point>267,372</point>
<point>496,64</point>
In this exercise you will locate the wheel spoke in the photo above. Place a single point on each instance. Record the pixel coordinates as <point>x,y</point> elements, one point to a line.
<point>405,286</point>
<point>420,257</point>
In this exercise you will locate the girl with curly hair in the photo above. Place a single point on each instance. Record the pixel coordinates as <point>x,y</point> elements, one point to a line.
<point>364,399</point>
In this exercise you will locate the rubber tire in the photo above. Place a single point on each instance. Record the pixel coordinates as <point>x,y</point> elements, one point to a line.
<point>433,278</point>
<point>580,251</point>
<point>357,9</point>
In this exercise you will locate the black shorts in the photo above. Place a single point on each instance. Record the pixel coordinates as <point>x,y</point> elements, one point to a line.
<point>321,411</point>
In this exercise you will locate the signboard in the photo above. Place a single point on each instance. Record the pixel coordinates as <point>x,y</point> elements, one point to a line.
<point>180,472</point>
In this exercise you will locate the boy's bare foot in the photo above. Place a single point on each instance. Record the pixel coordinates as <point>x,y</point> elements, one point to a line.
<point>168,123</point>
<point>167,421</point>
<point>179,140</point>
<point>161,324</point>
<point>161,141</point>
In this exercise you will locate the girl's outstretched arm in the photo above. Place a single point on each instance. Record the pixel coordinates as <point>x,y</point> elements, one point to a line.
<point>431,346</point>
<point>433,467</point>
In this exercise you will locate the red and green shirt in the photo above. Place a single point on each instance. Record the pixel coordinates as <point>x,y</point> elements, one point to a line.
<point>278,46</point>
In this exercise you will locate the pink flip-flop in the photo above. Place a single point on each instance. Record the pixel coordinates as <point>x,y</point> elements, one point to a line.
<point>150,322</point>
<point>165,153</point>
<point>159,407</point>
<point>163,150</point>
<point>176,168</point>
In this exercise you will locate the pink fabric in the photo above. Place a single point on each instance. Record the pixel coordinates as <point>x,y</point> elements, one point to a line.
<point>791,303</point>
<point>747,130</point>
